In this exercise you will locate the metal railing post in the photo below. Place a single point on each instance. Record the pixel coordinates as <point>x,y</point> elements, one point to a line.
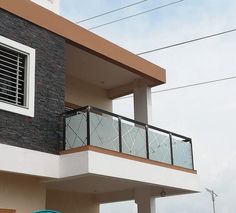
<point>147,141</point>
<point>120,134</point>
<point>64,132</point>
<point>171,149</point>
<point>190,141</point>
<point>88,125</point>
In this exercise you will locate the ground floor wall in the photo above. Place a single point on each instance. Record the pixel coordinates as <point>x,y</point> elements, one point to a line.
<point>25,194</point>
<point>21,193</point>
<point>71,202</point>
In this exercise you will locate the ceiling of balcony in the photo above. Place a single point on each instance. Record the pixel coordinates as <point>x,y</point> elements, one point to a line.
<point>96,184</point>
<point>95,70</point>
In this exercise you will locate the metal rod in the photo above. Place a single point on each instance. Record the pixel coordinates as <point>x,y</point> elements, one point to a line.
<point>214,208</point>
<point>75,111</point>
<point>64,132</point>
<point>88,126</point>
<point>6,52</point>
<point>133,121</point>
<point>13,79</point>
<point>17,78</point>
<point>186,139</point>
<point>120,134</point>
<point>192,153</point>
<point>147,142</point>
<point>171,149</point>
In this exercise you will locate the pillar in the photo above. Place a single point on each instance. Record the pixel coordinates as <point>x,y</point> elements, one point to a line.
<point>144,200</point>
<point>142,102</point>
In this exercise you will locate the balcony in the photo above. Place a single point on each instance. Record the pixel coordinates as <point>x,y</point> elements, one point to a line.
<point>90,126</point>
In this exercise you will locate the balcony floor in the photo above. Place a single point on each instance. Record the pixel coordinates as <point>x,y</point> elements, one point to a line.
<point>126,156</point>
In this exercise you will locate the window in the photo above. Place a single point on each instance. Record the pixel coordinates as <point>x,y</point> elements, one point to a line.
<point>17,76</point>
<point>12,76</point>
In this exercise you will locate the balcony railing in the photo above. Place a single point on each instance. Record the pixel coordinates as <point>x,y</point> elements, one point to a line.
<point>92,126</point>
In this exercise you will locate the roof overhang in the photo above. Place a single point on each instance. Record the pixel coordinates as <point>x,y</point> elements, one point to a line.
<point>86,40</point>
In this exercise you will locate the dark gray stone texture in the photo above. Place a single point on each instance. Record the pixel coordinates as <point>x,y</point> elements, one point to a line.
<point>44,132</point>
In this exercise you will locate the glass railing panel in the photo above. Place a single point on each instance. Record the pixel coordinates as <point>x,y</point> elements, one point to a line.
<point>159,146</point>
<point>182,152</point>
<point>133,139</point>
<point>163,146</point>
<point>76,130</point>
<point>104,131</point>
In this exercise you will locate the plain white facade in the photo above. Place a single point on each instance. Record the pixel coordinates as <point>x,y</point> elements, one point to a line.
<point>103,178</point>
<point>91,162</point>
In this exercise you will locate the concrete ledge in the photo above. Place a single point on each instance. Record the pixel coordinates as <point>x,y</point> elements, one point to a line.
<point>30,162</point>
<point>95,161</point>
<point>126,156</point>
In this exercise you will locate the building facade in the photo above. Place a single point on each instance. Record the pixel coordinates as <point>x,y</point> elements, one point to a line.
<point>61,146</point>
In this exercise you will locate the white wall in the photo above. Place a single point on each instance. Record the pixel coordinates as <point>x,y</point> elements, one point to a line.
<point>83,94</point>
<point>19,160</point>
<point>91,162</point>
<point>22,193</point>
<point>30,162</point>
<point>71,202</point>
<point>119,167</point>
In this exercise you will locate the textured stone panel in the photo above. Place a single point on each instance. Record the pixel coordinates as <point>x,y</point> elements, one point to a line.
<point>44,132</point>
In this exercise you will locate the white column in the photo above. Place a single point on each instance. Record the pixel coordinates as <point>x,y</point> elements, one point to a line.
<point>142,102</point>
<point>145,202</point>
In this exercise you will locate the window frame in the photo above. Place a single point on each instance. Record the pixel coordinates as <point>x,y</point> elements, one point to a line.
<point>28,108</point>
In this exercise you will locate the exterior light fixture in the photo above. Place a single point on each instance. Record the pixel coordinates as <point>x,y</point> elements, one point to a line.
<point>163,193</point>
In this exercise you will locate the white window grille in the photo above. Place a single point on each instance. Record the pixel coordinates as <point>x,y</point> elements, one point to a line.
<point>12,76</point>
<point>17,64</point>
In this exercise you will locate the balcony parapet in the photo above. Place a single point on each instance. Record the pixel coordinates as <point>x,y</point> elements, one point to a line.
<point>96,127</point>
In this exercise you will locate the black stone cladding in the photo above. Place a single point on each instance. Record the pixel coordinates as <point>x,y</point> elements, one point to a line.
<point>44,132</point>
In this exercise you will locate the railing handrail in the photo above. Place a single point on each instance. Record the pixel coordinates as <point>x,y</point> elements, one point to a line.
<point>146,127</point>
<point>91,109</point>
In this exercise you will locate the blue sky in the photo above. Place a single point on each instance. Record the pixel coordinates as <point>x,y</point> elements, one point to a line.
<point>205,113</point>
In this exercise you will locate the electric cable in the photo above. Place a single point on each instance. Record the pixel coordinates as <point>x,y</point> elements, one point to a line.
<point>137,14</point>
<point>187,42</point>
<point>188,85</point>
<point>111,11</point>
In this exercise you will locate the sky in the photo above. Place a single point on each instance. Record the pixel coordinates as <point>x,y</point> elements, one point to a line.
<point>206,113</point>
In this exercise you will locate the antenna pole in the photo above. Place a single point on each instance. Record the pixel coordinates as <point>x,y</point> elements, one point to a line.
<point>213,196</point>
<point>213,203</point>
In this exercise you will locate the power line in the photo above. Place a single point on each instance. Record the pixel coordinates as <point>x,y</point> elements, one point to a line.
<point>137,14</point>
<point>187,42</point>
<point>189,85</point>
<point>196,84</point>
<point>182,43</point>
<point>109,12</point>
